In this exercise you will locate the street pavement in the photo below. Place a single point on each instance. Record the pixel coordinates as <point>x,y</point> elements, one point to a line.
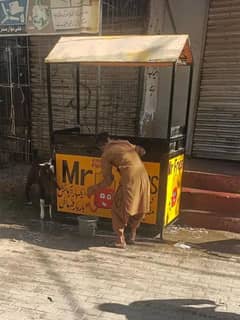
<point>50,272</point>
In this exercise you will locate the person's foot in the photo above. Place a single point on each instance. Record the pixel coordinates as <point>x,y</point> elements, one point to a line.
<point>131,242</point>
<point>120,245</point>
<point>131,238</point>
<point>133,235</point>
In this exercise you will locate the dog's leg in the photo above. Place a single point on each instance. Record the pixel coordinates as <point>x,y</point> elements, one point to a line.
<point>50,211</point>
<point>42,212</point>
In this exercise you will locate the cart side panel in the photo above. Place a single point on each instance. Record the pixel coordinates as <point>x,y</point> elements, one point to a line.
<point>76,173</point>
<point>174,188</point>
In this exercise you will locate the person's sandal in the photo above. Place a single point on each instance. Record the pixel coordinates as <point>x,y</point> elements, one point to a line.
<point>120,245</point>
<point>131,241</point>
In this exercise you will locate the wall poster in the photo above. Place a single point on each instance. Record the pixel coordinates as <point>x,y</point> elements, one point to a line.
<point>49,16</point>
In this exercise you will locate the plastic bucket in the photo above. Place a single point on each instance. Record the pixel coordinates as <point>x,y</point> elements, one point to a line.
<point>87,226</point>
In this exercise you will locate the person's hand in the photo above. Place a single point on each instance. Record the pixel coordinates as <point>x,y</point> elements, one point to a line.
<point>140,150</point>
<point>90,191</point>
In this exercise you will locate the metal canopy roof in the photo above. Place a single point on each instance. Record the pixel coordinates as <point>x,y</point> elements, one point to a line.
<point>140,50</point>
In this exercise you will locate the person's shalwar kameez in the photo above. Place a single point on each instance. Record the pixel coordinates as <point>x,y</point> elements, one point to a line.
<point>132,198</point>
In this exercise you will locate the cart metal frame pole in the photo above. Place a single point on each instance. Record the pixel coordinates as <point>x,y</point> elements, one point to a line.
<point>98,72</point>
<point>50,114</point>
<point>166,159</point>
<point>139,99</point>
<point>78,95</point>
<point>188,101</point>
<point>170,113</point>
<point>162,205</point>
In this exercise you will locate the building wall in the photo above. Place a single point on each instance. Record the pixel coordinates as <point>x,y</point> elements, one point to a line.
<point>184,17</point>
<point>150,99</point>
<point>191,17</point>
<point>187,16</point>
<point>119,87</point>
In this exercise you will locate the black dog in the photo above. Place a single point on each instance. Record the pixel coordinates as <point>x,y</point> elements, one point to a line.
<point>42,174</point>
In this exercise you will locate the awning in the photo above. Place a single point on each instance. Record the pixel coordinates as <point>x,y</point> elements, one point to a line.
<point>140,50</point>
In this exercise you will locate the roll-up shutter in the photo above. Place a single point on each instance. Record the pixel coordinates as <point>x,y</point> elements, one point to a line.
<point>217,126</point>
<point>119,87</point>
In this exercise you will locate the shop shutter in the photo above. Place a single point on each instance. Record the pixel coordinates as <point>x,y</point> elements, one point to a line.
<point>217,126</point>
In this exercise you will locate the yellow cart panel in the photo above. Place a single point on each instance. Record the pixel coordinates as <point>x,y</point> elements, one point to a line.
<point>76,173</point>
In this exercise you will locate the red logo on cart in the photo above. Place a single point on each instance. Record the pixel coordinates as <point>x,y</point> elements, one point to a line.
<point>104,198</point>
<point>174,197</point>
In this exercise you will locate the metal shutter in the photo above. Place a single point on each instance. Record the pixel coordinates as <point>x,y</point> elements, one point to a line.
<point>217,126</point>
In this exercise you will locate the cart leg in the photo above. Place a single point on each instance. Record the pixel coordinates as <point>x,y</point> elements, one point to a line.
<point>161,234</point>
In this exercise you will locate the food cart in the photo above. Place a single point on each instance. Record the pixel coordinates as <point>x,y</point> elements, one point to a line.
<point>76,156</point>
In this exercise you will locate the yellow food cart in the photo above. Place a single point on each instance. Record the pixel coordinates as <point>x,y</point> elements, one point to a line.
<point>76,156</point>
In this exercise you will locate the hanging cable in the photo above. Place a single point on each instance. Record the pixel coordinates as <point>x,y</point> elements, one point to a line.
<point>170,13</point>
<point>12,108</point>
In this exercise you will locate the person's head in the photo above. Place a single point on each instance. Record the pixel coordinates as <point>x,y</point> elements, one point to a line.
<point>102,139</point>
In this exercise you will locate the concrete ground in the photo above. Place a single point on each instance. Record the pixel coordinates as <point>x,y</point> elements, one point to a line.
<point>49,272</point>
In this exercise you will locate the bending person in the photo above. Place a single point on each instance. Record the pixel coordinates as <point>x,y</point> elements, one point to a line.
<point>132,198</point>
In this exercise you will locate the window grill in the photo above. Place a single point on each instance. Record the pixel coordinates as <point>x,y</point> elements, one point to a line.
<point>14,97</point>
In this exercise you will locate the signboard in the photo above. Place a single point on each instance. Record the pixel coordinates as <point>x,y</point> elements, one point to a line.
<point>76,173</point>
<point>49,16</point>
<point>174,188</point>
<point>13,16</point>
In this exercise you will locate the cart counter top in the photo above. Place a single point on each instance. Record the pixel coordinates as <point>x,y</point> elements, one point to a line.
<point>70,141</point>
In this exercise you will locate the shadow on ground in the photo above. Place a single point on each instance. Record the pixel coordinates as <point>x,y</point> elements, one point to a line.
<point>19,222</point>
<point>169,309</point>
<point>52,235</point>
<point>228,246</point>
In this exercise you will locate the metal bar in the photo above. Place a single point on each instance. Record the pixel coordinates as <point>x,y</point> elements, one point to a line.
<point>98,72</point>
<point>171,17</point>
<point>121,64</point>
<point>29,87</point>
<point>78,95</point>
<point>139,99</point>
<point>170,112</point>
<point>188,102</point>
<point>50,116</point>
<point>162,194</point>
<point>11,84</point>
<point>97,99</point>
